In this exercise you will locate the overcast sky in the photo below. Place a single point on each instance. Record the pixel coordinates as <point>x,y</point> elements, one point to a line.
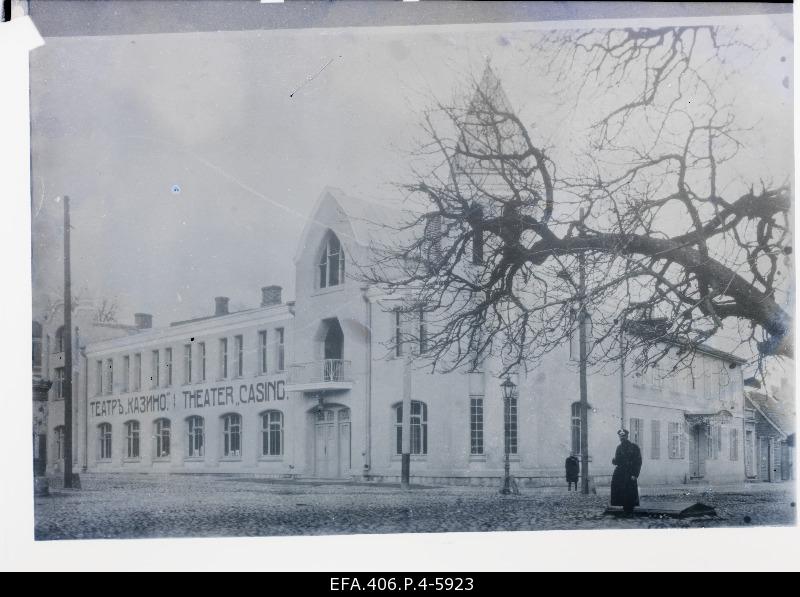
<point>117,122</point>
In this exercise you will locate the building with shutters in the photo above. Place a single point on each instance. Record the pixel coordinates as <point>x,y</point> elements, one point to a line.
<point>769,436</point>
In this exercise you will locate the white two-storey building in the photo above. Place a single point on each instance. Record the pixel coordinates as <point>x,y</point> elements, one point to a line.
<point>314,388</point>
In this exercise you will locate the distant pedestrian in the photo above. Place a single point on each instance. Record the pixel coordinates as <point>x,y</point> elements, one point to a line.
<point>624,482</point>
<point>572,467</point>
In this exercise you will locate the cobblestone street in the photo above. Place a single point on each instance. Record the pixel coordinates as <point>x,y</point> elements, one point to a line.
<point>118,506</point>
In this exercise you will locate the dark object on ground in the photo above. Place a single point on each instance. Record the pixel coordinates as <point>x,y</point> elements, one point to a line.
<point>668,509</point>
<point>747,520</point>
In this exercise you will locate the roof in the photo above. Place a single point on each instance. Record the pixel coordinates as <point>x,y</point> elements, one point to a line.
<point>657,330</point>
<point>779,413</point>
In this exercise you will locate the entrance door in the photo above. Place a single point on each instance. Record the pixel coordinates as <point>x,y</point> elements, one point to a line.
<point>325,445</point>
<point>763,459</point>
<point>749,445</point>
<point>345,452</point>
<point>697,452</point>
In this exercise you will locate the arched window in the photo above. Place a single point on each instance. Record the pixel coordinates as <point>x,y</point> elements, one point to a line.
<point>231,436</point>
<point>104,437</point>
<point>575,426</point>
<point>419,428</point>
<point>59,345</point>
<point>272,433</point>
<point>37,346</point>
<point>195,427</point>
<point>58,433</point>
<point>162,429</point>
<point>132,439</point>
<point>331,263</point>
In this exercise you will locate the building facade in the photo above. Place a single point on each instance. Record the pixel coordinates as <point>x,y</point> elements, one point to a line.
<point>315,387</point>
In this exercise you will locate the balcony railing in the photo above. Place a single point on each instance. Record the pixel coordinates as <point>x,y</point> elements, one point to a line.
<point>326,371</point>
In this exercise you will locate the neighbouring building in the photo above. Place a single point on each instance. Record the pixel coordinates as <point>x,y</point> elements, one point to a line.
<point>310,388</point>
<point>769,436</point>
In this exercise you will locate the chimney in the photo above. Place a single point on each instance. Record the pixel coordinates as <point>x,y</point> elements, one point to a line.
<point>221,305</point>
<point>143,321</point>
<point>270,295</point>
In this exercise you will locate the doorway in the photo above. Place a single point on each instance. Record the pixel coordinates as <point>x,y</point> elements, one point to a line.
<point>332,443</point>
<point>764,459</point>
<point>698,439</point>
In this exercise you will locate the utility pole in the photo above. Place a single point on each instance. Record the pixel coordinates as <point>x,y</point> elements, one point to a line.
<point>67,352</point>
<point>405,465</point>
<point>583,387</point>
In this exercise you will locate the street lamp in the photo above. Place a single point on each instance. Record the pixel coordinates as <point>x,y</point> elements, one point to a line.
<point>508,388</point>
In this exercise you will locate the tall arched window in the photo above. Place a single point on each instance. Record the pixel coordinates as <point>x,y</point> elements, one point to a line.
<point>231,436</point>
<point>132,439</point>
<point>575,426</point>
<point>419,428</point>
<point>104,437</point>
<point>195,427</point>
<point>37,346</point>
<point>331,263</point>
<point>272,433</point>
<point>161,430</point>
<point>59,345</point>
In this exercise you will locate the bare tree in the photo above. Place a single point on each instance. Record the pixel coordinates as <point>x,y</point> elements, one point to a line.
<point>654,205</point>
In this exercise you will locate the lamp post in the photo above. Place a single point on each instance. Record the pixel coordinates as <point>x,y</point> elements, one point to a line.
<point>508,388</point>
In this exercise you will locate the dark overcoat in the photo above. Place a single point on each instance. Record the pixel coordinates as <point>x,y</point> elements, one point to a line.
<point>572,467</point>
<point>624,486</point>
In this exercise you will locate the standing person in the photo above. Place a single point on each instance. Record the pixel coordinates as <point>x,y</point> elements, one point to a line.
<point>624,484</point>
<point>573,467</point>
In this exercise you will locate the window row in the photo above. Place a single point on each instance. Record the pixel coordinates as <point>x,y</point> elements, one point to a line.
<point>676,440</point>
<point>270,351</point>
<point>410,332</point>
<point>271,437</point>
<point>476,425</point>
<point>711,378</point>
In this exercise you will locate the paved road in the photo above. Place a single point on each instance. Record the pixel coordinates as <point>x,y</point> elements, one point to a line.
<point>117,506</point>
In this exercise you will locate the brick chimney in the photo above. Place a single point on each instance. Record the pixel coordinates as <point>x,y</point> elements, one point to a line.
<point>221,305</point>
<point>270,295</point>
<point>143,321</point>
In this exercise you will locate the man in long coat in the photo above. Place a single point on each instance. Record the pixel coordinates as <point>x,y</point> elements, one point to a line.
<point>624,484</point>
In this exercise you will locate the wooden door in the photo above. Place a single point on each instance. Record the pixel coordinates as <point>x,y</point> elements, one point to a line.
<point>763,459</point>
<point>345,457</point>
<point>697,452</point>
<point>324,451</point>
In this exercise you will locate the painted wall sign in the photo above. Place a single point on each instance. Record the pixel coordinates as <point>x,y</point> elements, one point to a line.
<point>230,396</point>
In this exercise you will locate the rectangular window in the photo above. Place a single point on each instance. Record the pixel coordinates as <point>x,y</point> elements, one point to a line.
<point>162,432</point>
<point>279,352</point>
<point>655,440</point>
<point>238,356</point>
<point>105,441</point>
<point>187,363</point>
<point>423,333</point>
<point>232,436</point>
<point>262,352</point>
<point>637,432</point>
<point>132,436</point>
<point>202,356</point>
<point>476,424</point>
<point>272,433</point>
<point>677,450</point>
<point>155,370</point>
<point>126,373</point>
<point>196,432</point>
<point>99,378</point>
<point>168,365</point>
<point>223,358</point>
<point>109,387</point>
<point>58,384</point>
<point>510,413</point>
<point>734,441</point>
<point>398,333</point>
<point>137,371</point>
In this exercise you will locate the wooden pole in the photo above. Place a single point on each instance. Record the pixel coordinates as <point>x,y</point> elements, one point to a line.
<point>583,384</point>
<point>67,352</point>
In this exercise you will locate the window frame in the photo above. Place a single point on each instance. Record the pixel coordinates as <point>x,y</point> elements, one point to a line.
<point>511,424</point>
<point>238,356</point>
<point>201,346</point>
<point>133,440</point>
<point>162,433</point>
<point>196,437</point>
<point>419,421</point>
<point>269,429</point>
<point>105,442</point>
<point>126,373</point>
<point>168,367</point>
<point>187,364</point>
<point>59,377</point>
<point>655,439</point>
<point>325,263</point>
<point>137,371</point>
<point>155,369</point>
<point>476,425</point>
<point>263,352</point>
<point>231,428</point>
<point>223,358</point>
<point>280,350</point>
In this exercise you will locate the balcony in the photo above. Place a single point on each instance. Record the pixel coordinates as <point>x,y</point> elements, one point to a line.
<point>320,376</point>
